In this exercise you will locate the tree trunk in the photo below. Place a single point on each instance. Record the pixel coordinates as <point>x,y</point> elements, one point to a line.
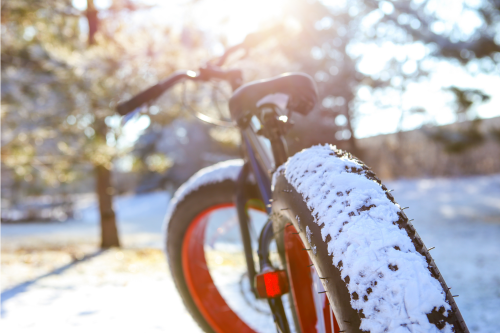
<point>92,20</point>
<point>104,190</point>
<point>353,146</point>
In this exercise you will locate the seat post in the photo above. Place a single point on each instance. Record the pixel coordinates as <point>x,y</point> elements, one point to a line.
<point>274,129</point>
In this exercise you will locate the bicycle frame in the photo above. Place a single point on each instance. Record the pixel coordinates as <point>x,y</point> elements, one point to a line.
<point>261,159</point>
<point>264,150</point>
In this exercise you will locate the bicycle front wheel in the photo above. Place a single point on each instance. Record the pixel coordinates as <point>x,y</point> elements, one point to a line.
<point>347,243</point>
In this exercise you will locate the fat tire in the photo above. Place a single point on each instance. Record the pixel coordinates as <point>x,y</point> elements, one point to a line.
<point>290,206</point>
<point>184,213</point>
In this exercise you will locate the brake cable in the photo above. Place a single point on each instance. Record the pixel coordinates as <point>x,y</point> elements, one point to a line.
<point>203,117</point>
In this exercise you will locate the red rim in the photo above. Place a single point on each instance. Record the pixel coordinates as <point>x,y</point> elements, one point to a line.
<point>209,301</point>
<point>300,277</point>
<point>212,305</point>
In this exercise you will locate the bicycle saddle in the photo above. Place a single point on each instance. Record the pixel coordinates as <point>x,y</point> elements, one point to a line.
<point>299,87</point>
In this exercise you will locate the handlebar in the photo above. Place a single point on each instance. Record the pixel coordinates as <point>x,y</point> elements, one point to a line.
<point>205,74</point>
<point>152,92</point>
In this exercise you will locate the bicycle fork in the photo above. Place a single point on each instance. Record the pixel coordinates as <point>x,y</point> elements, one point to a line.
<point>265,239</point>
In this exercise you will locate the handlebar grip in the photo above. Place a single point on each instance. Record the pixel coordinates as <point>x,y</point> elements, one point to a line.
<point>140,99</point>
<point>150,93</point>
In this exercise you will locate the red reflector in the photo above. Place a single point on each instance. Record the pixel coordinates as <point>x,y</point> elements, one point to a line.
<point>271,284</point>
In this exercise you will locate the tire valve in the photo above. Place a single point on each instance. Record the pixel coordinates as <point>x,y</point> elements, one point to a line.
<point>322,292</point>
<point>404,208</point>
<point>306,249</point>
<point>431,248</point>
<point>310,265</point>
<point>295,233</point>
<point>388,191</point>
<point>411,220</point>
<point>455,295</point>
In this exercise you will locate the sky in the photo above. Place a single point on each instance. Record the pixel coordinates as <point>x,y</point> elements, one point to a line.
<point>235,19</point>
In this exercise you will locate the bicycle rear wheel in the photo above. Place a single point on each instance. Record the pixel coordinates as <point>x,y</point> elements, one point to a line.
<point>207,261</point>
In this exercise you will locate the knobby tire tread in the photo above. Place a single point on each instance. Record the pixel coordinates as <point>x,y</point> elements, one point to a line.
<point>290,207</point>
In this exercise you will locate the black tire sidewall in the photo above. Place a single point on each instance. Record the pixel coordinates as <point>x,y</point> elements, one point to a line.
<point>290,207</point>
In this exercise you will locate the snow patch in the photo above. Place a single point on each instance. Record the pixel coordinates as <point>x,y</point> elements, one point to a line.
<point>388,279</point>
<point>213,174</point>
<point>309,234</point>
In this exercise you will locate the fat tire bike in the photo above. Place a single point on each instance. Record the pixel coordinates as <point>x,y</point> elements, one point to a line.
<point>316,235</point>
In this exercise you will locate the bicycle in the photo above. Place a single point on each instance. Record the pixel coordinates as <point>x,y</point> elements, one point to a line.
<point>335,252</point>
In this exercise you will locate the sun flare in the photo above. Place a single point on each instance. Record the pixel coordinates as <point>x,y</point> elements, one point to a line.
<point>236,19</point>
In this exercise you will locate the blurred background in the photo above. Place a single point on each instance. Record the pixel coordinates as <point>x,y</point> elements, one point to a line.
<point>410,87</point>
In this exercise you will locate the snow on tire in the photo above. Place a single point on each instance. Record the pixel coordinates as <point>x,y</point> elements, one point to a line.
<point>362,235</point>
<point>217,173</point>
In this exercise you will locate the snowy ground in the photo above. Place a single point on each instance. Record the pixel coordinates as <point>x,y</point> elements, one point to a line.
<point>115,291</point>
<point>139,224</point>
<point>54,280</point>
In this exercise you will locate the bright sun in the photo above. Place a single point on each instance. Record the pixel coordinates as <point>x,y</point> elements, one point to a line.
<point>237,18</point>
<point>232,18</point>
